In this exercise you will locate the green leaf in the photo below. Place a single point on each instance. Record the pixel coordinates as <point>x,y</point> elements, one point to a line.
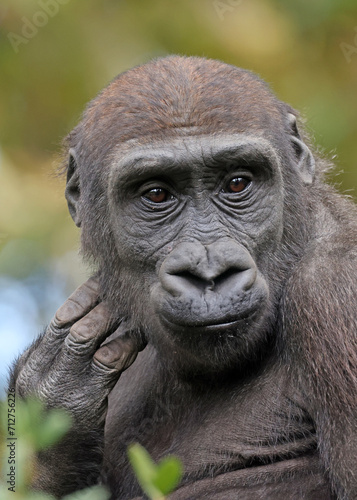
<point>29,412</point>
<point>155,480</point>
<point>5,494</point>
<point>54,426</point>
<point>143,465</point>
<point>38,427</point>
<point>169,473</point>
<point>93,493</point>
<point>145,470</point>
<point>36,495</point>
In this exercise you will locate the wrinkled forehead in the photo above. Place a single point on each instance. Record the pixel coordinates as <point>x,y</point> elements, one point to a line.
<point>168,99</point>
<point>137,105</point>
<point>201,151</point>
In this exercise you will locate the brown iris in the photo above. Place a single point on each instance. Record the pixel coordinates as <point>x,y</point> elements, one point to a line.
<point>238,184</point>
<point>157,195</point>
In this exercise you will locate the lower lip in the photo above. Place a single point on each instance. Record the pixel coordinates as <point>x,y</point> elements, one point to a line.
<point>202,328</point>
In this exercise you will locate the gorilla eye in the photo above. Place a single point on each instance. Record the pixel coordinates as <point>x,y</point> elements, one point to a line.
<point>157,195</point>
<point>238,184</point>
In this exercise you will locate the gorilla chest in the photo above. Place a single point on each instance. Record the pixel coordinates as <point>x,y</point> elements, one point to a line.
<point>254,432</point>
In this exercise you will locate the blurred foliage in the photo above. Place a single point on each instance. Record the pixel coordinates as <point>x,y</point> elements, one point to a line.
<point>156,481</point>
<point>55,55</point>
<point>25,429</point>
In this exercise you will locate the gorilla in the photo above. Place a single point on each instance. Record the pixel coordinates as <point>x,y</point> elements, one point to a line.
<point>221,322</point>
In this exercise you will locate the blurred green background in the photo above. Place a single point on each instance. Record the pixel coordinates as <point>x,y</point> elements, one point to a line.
<point>55,55</point>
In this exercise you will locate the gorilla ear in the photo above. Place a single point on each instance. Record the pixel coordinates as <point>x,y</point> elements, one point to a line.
<point>305,160</point>
<point>73,192</point>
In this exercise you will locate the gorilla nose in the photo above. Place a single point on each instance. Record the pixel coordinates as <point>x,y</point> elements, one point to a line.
<point>193,267</point>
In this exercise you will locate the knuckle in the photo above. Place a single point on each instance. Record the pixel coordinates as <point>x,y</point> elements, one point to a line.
<point>92,285</point>
<point>106,358</point>
<point>55,334</point>
<point>102,362</point>
<point>78,304</point>
<point>101,368</point>
<point>107,374</point>
<point>28,380</point>
<point>76,346</point>
<point>117,356</point>
<point>82,332</point>
<point>67,313</point>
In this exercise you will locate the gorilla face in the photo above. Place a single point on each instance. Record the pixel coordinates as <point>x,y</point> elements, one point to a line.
<point>195,221</point>
<point>187,177</point>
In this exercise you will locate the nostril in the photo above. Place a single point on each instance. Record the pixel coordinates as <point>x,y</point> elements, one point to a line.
<point>205,283</point>
<point>186,282</point>
<point>221,268</point>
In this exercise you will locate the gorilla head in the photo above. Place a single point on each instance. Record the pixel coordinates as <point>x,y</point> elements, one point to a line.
<point>187,177</point>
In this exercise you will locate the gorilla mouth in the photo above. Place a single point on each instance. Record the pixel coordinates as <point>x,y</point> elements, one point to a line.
<point>181,317</point>
<point>200,325</point>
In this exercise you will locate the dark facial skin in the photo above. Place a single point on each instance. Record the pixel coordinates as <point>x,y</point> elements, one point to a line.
<point>221,323</point>
<point>198,212</point>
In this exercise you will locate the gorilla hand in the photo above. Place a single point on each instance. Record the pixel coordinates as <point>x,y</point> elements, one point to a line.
<point>68,367</point>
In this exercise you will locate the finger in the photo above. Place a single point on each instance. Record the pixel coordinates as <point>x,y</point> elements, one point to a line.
<point>78,304</point>
<point>135,336</point>
<point>91,330</point>
<point>126,332</point>
<point>118,354</point>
